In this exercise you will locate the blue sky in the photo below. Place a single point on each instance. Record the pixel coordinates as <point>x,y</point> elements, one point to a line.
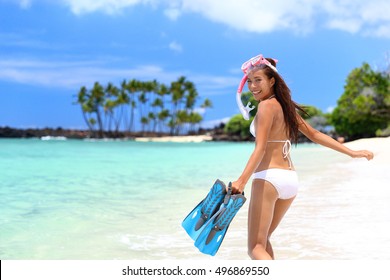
<point>49,49</point>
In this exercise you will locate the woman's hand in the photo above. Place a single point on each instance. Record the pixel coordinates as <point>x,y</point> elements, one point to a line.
<point>237,187</point>
<point>363,153</point>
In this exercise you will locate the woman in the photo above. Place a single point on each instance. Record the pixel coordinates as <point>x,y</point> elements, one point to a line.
<point>275,182</point>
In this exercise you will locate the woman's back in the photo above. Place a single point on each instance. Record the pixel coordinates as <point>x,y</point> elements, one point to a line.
<point>278,143</point>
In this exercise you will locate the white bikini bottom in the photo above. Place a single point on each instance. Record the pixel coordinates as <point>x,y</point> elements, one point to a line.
<point>285,181</point>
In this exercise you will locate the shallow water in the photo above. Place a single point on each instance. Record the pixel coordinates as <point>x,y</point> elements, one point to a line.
<point>125,200</point>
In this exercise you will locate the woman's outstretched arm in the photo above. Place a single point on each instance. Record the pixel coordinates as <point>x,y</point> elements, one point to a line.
<point>327,141</point>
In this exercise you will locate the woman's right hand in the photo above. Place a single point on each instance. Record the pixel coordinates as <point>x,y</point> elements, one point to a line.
<point>238,187</point>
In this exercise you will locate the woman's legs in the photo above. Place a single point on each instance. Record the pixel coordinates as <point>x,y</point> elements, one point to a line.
<point>265,213</point>
<point>260,214</point>
<point>281,207</point>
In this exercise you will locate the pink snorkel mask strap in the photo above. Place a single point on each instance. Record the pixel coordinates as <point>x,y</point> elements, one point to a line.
<point>246,66</point>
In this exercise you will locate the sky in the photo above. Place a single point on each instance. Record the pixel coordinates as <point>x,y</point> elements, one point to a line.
<point>49,49</point>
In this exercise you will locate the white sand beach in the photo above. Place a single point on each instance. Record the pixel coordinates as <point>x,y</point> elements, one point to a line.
<point>342,211</point>
<point>176,139</point>
<point>379,146</point>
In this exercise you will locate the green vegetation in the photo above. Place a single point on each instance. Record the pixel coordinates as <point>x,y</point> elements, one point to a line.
<point>364,108</point>
<point>157,107</point>
<point>237,125</point>
<point>316,118</point>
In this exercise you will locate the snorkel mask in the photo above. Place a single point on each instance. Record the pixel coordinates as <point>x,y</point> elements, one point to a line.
<point>246,67</point>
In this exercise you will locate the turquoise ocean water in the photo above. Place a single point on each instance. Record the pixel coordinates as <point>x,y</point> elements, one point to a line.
<point>102,199</point>
<point>123,199</point>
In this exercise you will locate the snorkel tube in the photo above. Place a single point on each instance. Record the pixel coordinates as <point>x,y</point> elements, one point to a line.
<point>246,67</point>
<point>245,110</point>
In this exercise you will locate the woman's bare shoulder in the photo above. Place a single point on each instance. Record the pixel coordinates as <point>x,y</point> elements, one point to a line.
<point>270,106</point>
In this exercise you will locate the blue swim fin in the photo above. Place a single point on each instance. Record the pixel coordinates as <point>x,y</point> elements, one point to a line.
<point>213,233</point>
<point>196,220</point>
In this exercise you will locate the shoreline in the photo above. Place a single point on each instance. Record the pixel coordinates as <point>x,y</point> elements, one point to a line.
<point>177,139</point>
<point>203,135</point>
<point>216,135</point>
<point>59,132</point>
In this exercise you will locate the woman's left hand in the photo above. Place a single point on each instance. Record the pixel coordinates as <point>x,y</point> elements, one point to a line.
<point>363,153</point>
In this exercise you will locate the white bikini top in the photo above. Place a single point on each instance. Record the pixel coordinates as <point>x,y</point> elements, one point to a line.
<point>286,147</point>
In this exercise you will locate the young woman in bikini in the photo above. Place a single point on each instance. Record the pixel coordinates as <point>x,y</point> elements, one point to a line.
<point>276,125</point>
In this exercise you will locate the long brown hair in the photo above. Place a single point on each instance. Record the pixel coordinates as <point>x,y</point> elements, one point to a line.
<point>283,95</point>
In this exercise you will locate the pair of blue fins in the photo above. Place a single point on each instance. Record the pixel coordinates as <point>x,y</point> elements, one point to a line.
<point>208,222</point>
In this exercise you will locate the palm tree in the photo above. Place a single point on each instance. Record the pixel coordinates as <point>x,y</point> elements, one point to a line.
<point>163,114</point>
<point>149,88</point>
<point>132,87</point>
<point>105,107</point>
<point>82,99</point>
<point>194,119</point>
<point>122,100</point>
<point>191,97</point>
<point>206,104</point>
<point>111,95</point>
<point>162,117</point>
<point>152,118</point>
<point>97,99</point>
<point>144,122</point>
<point>142,99</point>
<point>182,117</point>
<point>178,91</point>
<point>156,103</point>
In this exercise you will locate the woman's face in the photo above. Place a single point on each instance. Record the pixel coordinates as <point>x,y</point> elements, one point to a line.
<point>260,85</point>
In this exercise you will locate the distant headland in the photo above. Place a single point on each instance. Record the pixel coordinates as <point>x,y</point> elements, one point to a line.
<point>215,134</point>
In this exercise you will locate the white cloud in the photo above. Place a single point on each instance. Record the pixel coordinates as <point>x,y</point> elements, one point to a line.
<point>172,13</point>
<point>380,31</point>
<point>200,110</point>
<point>73,75</point>
<point>175,46</point>
<point>375,11</point>
<point>299,16</point>
<point>349,25</point>
<point>25,3</point>
<point>17,40</point>
<point>371,18</point>
<point>330,109</point>
<point>215,84</point>
<point>255,16</point>
<point>107,6</point>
